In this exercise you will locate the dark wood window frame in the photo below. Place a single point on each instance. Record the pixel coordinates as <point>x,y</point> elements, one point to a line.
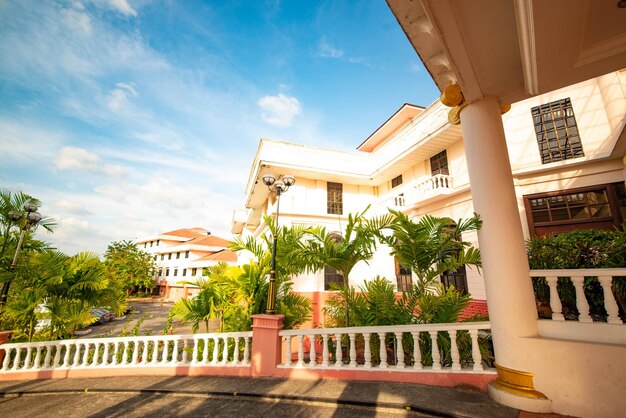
<point>456,278</point>
<point>564,206</point>
<point>334,198</point>
<point>396,181</point>
<point>439,164</point>
<point>557,131</point>
<point>331,276</point>
<point>404,277</point>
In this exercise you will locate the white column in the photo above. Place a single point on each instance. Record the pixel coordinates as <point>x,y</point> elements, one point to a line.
<point>512,310</point>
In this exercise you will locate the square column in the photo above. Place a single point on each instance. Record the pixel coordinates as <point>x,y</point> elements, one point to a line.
<point>266,344</point>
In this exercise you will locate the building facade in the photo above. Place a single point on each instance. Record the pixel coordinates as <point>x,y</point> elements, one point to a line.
<point>181,255</point>
<point>563,147</point>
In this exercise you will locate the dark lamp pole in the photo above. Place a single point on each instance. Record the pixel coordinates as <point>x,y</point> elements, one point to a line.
<point>31,218</point>
<point>279,187</point>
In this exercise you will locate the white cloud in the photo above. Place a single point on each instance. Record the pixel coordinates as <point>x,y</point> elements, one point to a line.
<point>78,21</point>
<point>72,158</point>
<point>279,110</point>
<point>119,96</point>
<point>326,50</point>
<point>72,207</point>
<point>121,6</point>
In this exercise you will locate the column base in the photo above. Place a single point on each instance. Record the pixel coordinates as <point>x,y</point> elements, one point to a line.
<point>516,389</point>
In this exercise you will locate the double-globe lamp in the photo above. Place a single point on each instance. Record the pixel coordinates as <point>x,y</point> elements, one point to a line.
<point>278,186</point>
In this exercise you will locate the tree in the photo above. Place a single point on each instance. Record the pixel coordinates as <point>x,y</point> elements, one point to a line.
<point>130,266</point>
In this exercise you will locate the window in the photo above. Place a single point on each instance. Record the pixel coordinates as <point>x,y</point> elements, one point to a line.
<point>175,272</point>
<point>395,182</point>
<point>158,242</point>
<point>169,256</point>
<point>439,164</point>
<point>456,278</point>
<point>145,245</point>
<point>184,272</point>
<point>194,271</point>
<point>177,255</point>
<point>334,198</point>
<point>151,242</point>
<point>557,132</point>
<point>403,277</point>
<point>331,276</point>
<point>167,272</point>
<point>186,254</point>
<point>595,207</point>
<point>162,257</point>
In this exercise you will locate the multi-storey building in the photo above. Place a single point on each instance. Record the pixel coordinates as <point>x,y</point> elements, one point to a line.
<point>181,256</point>
<point>565,155</point>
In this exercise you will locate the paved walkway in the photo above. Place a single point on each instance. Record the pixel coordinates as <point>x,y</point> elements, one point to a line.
<point>240,397</point>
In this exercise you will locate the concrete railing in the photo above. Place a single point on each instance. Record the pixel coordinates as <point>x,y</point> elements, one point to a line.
<point>436,182</point>
<point>599,323</point>
<point>437,347</point>
<point>225,349</point>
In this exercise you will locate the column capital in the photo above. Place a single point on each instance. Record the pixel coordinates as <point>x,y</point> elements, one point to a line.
<point>452,96</point>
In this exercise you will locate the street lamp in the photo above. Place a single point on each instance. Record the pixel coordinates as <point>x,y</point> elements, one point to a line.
<point>278,186</point>
<point>30,218</point>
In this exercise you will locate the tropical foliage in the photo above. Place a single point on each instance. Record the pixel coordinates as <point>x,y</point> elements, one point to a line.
<point>130,266</point>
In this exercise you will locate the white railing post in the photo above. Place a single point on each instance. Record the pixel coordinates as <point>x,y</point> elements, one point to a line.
<point>435,350</point>
<point>288,351</point>
<point>609,300</point>
<point>476,357</point>
<point>300,351</point>
<point>236,352</point>
<point>383,350</point>
<point>581,300</point>
<point>246,351</point>
<point>325,350</point>
<point>205,351</point>
<point>312,362</point>
<point>225,351</point>
<point>454,351</point>
<point>37,361</point>
<point>555,300</point>
<point>352,350</point>
<point>399,351</point>
<point>367,351</point>
<point>338,351</point>
<point>417,352</point>
<point>216,343</point>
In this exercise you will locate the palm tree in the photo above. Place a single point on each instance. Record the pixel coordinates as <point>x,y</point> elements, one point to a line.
<point>430,245</point>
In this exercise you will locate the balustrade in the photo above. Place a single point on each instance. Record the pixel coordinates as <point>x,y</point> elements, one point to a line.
<point>447,347</point>
<point>142,351</point>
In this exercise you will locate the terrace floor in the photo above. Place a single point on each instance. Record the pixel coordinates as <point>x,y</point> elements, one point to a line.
<point>241,397</point>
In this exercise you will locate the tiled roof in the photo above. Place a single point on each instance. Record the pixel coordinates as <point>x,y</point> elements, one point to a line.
<point>225,255</point>
<point>211,240</point>
<point>474,307</point>
<point>188,233</point>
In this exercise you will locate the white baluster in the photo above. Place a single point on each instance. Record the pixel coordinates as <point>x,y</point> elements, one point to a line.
<point>367,351</point>
<point>37,362</point>
<point>205,350</point>
<point>325,350</point>
<point>96,354</point>
<point>105,356</point>
<point>155,351</point>
<point>76,354</point>
<point>417,352</point>
<point>288,351</point>
<point>125,351</point>
<point>175,352</point>
<point>476,357</point>
<point>66,358</point>
<point>29,355</point>
<point>216,343</point>
<point>236,352</point>
<point>338,351</point>
<point>18,354</point>
<point>225,351</point>
<point>399,351</point>
<point>454,351</point>
<point>555,300</point>
<point>581,300</point>
<point>57,356</point>
<point>352,350</point>
<point>85,357</point>
<point>383,350</point>
<point>46,360</point>
<point>246,351</point>
<point>300,351</point>
<point>166,352</point>
<point>609,300</point>
<point>194,355</point>
<point>435,350</point>
<point>312,362</point>
<point>185,346</point>
<point>7,359</point>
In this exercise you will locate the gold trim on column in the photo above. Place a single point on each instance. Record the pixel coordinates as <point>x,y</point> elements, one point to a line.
<point>505,108</point>
<point>452,96</point>
<point>517,383</point>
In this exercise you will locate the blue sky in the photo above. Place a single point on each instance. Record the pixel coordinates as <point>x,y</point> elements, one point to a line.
<point>133,117</point>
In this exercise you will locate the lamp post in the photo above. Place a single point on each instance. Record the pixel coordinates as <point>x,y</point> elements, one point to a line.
<point>29,217</point>
<point>278,186</point>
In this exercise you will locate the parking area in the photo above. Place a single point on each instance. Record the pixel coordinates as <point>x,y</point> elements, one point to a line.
<point>154,314</point>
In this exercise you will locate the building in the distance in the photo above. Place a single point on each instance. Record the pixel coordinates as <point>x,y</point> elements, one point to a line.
<point>181,256</point>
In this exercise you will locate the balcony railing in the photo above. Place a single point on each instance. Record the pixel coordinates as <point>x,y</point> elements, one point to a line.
<point>580,304</point>
<point>438,182</point>
<point>227,349</point>
<point>427,347</point>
